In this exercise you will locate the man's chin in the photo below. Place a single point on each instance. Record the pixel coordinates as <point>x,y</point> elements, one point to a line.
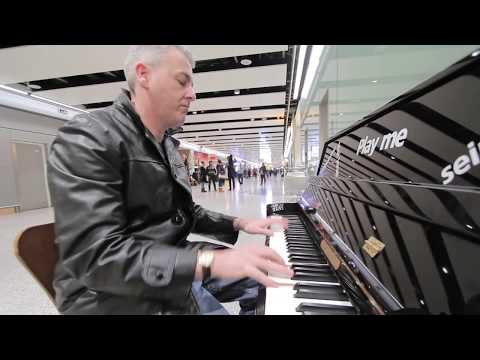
<point>180,121</point>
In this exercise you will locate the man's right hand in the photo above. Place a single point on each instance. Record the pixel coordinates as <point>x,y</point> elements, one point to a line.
<point>249,261</point>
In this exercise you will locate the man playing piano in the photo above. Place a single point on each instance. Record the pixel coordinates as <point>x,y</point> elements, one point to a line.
<point>124,208</point>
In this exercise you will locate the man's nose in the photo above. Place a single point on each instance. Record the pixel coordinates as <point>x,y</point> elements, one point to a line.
<point>191,94</point>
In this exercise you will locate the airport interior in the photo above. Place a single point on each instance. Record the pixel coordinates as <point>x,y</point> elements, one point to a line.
<point>369,152</point>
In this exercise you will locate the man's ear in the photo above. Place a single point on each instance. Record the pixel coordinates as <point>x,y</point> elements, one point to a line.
<point>142,73</point>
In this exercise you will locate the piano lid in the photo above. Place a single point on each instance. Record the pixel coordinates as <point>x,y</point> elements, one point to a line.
<point>409,175</point>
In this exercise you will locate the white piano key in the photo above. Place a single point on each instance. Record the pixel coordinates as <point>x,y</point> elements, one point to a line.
<point>281,301</point>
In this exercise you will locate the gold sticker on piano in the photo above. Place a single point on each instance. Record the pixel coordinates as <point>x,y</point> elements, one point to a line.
<point>373,246</point>
<point>370,250</point>
<point>376,243</point>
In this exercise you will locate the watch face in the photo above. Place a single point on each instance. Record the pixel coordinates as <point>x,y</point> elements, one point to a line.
<point>209,258</point>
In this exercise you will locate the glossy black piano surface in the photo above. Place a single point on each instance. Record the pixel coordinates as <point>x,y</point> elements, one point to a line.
<point>409,175</point>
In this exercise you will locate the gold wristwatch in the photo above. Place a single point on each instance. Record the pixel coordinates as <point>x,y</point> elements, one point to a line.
<point>205,260</point>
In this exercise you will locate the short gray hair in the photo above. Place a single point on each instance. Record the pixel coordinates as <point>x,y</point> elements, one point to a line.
<point>150,54</point>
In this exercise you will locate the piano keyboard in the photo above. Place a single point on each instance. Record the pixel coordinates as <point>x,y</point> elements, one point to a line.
<point>314,289</point>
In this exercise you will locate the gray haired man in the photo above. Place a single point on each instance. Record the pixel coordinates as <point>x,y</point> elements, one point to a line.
<point>124,207</point>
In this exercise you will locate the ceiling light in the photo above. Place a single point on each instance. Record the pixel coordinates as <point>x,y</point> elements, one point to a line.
<point>374,81</point>
<point>245,108</point>
<point>194,113</point>
<point>315,56</point>
<point>236,92</point>
<point>13,90</point>
<point>34,86</point>
<point>299,71</point>
<point>246,62</point>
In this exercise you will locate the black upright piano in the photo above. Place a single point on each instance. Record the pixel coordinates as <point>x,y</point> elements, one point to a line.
<point>390,224</point>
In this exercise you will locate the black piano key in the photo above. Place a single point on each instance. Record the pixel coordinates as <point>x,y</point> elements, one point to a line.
<point>310,266</point>
<point>300,257</point>
<point>319,264</point>
<point>314,257</point>
<point>327,273</point>
<point>302,246</point>
<point>294,249</point>
<point>307,308</point>
<point>313,270</point>
<point>306,244</point>
<point>306,259</point>
<point>299,241</point>
<point>307,251</point>
<point>303,252</point>
<point>302,276</point>
<point>311,261</point>
<point>324,292</point>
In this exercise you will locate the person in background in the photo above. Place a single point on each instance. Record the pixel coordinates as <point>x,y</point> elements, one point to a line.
<point>212,176</point>
<point>203,176</point>
<point>221,173</point>
<point>240,177</point>
<point>195,176</point>
<point>187,166</point>
<point>262,172</point>
<point>231,173</point>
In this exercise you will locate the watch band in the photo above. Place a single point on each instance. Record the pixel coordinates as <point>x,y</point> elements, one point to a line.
<point>206,259</point>
<point>206,272</point>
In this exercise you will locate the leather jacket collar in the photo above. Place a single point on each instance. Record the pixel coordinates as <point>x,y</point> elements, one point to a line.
<point>123,100</point>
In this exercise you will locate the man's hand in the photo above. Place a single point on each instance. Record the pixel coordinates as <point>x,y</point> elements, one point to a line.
<point>249,261</point>
<point>259,226</point>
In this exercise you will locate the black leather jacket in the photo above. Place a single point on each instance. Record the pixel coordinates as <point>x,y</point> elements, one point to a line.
<point>123,211</point>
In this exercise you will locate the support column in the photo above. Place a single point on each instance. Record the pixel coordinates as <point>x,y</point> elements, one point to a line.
<point>297,147</point>
<point>323,124</point>
<point>306,150</point>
